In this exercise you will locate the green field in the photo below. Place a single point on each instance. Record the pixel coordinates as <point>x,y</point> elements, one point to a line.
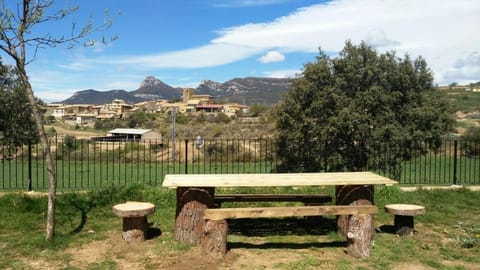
<point>425,170</point>
<point>88,235</point>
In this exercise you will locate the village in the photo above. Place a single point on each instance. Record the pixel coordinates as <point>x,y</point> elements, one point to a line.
<point>191,103</point>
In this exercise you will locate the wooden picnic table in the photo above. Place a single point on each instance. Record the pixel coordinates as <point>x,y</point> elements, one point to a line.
<point>196,193</point>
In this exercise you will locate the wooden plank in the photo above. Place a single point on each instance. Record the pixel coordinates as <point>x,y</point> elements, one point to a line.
<point>271,180</point>
<point>307,198</point>
<point>268,212</point>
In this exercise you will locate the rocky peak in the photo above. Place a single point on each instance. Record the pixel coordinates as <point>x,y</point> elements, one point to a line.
<point>212,85</point>
<point>151,81</point>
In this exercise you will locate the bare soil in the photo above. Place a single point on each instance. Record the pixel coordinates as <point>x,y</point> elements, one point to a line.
<point>115,253</point>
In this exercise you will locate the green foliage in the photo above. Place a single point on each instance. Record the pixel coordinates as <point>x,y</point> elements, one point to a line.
<point>222,118</point>
<point>344,111</point>
<point>136,119</point>
<point>258,109</point>
<point>16,119</point>
<point>69,142</point>
<point>109,124</point>
<point>471,142</point>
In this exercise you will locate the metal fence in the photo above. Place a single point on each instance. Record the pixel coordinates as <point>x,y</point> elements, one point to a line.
<point>86,164</point>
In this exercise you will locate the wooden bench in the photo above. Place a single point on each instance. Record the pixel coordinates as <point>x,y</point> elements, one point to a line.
<point>134,215</point>
<point>307,199</point>
<point>359,236</point>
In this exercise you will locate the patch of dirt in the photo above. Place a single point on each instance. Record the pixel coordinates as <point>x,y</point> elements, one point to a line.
<point>461,265</point>
<point>411,266</point>
<point>137,255</point>
<point>79,134</point>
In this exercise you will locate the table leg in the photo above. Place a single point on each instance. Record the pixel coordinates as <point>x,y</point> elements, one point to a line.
<point>352,195</point>
<point>358,229</point>
<point>191,205</point>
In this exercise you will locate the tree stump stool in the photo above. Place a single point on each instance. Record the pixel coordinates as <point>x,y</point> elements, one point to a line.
<point>404,215</point>
<point>134,214</point>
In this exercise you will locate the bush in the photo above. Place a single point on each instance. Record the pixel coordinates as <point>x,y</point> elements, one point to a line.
<point>471,142</point>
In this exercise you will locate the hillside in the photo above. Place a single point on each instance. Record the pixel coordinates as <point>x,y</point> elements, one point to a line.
<point>240,90</point>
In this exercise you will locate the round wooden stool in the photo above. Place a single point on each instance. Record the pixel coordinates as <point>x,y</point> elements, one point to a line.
<point>404,215</point>
<point>134,214</point>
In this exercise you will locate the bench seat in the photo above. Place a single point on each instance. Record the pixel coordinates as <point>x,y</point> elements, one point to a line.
<point>307,199</point>
<point>359,236</point>
<point>288,211</point>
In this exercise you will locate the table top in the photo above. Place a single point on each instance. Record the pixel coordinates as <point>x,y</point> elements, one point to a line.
<point>275,180</point>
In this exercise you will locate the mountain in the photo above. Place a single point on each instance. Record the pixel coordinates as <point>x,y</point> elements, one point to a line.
<point>248,91</point>
<point>240,90</point>
<point>152,88</point>
<point>91,96</point>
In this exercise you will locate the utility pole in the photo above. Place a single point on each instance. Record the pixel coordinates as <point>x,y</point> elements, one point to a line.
<point>174,119</point>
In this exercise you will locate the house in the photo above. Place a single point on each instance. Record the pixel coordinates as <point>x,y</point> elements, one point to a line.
<point>118,108</point>
<point>209,108</point>
<point>131,134</point>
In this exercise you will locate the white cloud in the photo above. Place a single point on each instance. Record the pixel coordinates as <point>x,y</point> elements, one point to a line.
<point>205,56</point>
<point>409,26</point>
<point>443,32</point>
<point>123,84</point>
<point>272,56</point>
<point>466,69</point>
<point>377,38</point>
<point>288,73</point>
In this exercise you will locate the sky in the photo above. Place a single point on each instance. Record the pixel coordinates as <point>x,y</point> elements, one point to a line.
<point>183,42</point>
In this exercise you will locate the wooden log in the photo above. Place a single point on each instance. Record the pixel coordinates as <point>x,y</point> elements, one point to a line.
<point>214,240</point>
<point>404,217</point>
<point>134,217</point>
<point>352,195</point>
<point>134,228</point>
<point>191,205</point>
<point>307,199</point>
<point>288,211</point>
<point>359,236</point>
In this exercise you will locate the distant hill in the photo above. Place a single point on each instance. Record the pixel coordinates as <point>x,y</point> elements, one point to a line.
<point>246,90</point>
<point>240,90</point>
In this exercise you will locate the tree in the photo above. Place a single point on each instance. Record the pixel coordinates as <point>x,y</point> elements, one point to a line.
<point>345,113</point>
<point>18,21</point>
<point>15,114</point>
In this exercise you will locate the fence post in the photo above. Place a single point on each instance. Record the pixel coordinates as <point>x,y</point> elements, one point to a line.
<point>186,156</point>
<point>29,188</point>
<point>455,162</point>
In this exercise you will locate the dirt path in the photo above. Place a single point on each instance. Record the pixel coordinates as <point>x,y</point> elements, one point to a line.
<point>77,133</point>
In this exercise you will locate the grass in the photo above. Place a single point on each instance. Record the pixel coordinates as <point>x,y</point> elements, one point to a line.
<point>448,238</point>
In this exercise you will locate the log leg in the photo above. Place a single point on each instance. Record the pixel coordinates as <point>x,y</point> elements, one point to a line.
<point>359,235</point>
<point>134,228</point>
<point>214,240</point>
<point>404,225</point>
<point>191,205</point>
<point>351,195</point>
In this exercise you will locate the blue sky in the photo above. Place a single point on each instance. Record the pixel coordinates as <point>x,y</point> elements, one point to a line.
<point>183,42</point>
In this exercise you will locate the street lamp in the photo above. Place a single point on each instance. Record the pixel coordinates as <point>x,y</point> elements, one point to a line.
<point>198,142</point>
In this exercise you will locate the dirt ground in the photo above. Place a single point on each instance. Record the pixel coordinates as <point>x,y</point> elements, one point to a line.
<point>115,253</point>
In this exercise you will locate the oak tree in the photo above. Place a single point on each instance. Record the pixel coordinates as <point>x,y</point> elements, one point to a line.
<point>347,112</point>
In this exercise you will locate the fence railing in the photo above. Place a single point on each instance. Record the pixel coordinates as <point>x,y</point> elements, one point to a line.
<point>86,164</point>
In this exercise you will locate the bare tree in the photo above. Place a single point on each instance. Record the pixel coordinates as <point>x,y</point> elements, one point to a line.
<point>17,21</point>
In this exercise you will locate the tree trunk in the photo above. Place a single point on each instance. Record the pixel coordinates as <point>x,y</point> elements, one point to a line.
<point>359,236</point>
<point>214,240</point>
<point>52,185</point>
<point>351,195</point>
<point>191,205</point>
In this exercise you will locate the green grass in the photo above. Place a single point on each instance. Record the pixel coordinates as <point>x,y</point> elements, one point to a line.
<point>75,175</point>
<point>448,238</point>
<point>465,101</point>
